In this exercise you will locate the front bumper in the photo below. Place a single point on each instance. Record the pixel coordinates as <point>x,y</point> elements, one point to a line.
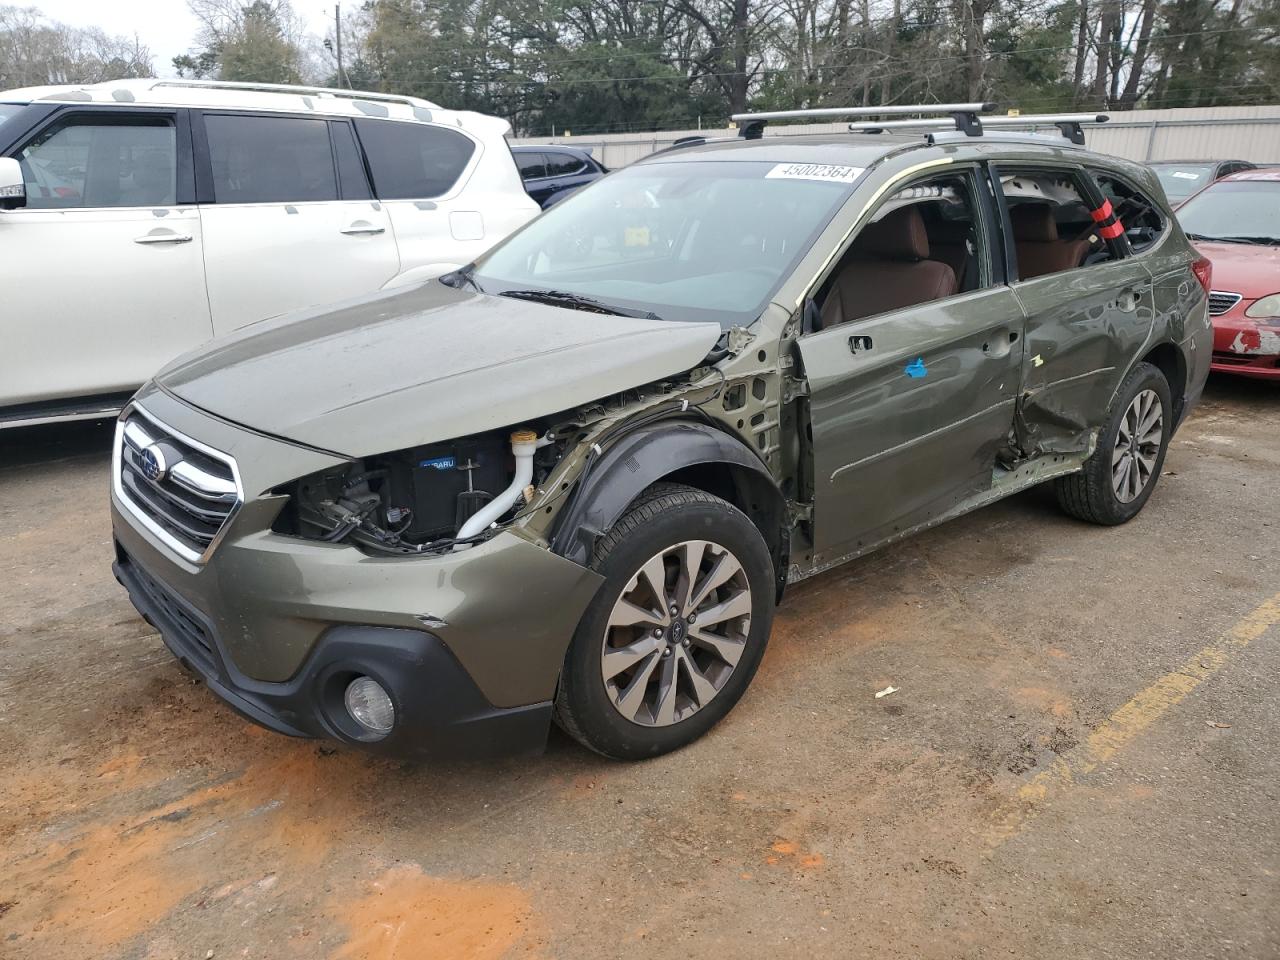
<point>439,710</point>
<point>469,644</point>
<point>1244,346</point>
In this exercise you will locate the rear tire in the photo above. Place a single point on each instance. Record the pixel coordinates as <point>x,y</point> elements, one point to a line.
<point>1117,481</point>
<point>639,680</point>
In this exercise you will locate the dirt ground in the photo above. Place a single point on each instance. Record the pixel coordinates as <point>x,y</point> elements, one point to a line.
<point>1080,761</point>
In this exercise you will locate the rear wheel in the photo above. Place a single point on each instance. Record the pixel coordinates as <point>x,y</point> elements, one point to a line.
<point>1118,479</point>
<point>676,631</point>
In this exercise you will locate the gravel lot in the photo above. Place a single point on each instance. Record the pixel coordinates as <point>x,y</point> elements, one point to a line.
<point>1081,760</point>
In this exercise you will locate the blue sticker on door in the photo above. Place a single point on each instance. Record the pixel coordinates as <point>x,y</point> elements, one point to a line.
<point>916,369</point>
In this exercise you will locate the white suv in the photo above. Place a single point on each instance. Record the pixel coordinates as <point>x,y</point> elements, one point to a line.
<point>140,218</point>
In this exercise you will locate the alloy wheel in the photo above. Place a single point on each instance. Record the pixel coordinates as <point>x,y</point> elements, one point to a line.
<point>676,633</point>
<point>1133,459</point>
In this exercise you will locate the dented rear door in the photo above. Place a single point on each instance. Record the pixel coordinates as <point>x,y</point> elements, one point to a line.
<point>1084,327</point>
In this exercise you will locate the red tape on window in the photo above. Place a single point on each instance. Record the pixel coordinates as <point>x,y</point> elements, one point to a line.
<point>1112,231</point>
<point>1103,212</point>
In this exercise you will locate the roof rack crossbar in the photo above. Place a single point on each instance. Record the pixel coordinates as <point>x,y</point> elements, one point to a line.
<point>336,92</point>
<point>1070,125</point>
<point>963,115</point>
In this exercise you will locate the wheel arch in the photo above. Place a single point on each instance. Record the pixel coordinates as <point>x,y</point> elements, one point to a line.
<point>681,451</point>
<point>1168,359</point>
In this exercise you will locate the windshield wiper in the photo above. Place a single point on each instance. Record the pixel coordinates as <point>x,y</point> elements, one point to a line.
<point>562,298</point>
<point>1261,241</point>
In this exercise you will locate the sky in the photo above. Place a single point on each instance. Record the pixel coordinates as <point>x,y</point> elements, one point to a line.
<point>165,26</point>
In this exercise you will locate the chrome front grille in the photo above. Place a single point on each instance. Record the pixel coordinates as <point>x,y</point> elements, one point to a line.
<point>1220,302</point>
<point>181,490</point>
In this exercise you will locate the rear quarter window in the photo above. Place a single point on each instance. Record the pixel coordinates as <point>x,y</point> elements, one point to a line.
<point>413,161</point>
<point>1143,220</point>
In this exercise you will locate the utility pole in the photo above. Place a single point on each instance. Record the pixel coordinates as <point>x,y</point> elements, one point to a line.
<point>337,30</point>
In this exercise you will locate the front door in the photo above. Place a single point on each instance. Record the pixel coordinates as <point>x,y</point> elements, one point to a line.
<point>103,268</point>
<point>286,224</point>
<point>910,407</point>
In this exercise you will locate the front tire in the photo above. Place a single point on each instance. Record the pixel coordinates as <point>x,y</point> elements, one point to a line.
<point>677,629</point>
<point>1117,481</point>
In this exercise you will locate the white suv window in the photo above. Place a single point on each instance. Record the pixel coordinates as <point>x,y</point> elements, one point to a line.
<point>270,159</point>
<point>413,161</point>
<point>92,162</point>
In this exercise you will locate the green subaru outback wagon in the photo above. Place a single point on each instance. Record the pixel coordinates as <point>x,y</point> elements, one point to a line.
<point>570,482</point>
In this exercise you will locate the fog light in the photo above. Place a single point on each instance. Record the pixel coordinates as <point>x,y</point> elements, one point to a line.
<point>370,706</point>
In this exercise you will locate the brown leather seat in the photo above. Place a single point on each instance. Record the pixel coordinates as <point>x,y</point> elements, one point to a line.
<point>949,243</point>
<point>1035,237</point>
<point>887,268</point>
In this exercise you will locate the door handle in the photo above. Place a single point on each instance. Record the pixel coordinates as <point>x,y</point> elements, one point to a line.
<point>1129,300</point>
<point>859,344</point>
<point>163,238</point>
<point>1000,345</point>
<point>362,228</point>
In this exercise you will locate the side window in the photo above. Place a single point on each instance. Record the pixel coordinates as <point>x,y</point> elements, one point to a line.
<point>1140,217</point>
<point>413,161</point>
<point>1053,222</point>
<point>563,165</point>
<point>531,165</point>
<point>926,242</point>
<point>96,162</point>
<point>351,176</point>
<point>270,159</point>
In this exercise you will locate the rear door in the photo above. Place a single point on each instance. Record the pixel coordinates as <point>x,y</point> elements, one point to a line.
<point>288,218</point>
<point>910,408</point>
<point>1085,323</point>
<point>565,171</point>
<point>103,273</point>
<point>533,171</point>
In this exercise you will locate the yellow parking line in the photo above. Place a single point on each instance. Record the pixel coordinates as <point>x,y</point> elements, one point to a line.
<point>1122,727</point>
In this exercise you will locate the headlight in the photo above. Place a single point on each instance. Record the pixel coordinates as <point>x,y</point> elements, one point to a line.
<point>1266,308</point>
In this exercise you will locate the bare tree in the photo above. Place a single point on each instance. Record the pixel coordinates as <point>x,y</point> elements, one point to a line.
<point>35,50</point>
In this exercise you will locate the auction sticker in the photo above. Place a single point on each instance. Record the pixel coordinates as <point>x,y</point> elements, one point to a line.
<point>814,171</point>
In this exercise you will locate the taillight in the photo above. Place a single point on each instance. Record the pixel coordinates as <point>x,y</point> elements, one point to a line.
<point>1203,269</point>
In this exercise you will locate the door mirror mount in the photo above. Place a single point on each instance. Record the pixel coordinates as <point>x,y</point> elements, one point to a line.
<point>13,189</point>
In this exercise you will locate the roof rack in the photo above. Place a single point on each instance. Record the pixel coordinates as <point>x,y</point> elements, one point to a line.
<point>1070,125</point>
<point>335,92</point>
<point>963,115</point>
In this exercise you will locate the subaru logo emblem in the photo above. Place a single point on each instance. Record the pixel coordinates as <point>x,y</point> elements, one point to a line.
<point>153,464</point>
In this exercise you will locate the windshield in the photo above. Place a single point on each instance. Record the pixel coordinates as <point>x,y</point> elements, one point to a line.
<point>1181,180</point>
<point>1234,209</point>
<point>686,241</point>
<point>7,110</point>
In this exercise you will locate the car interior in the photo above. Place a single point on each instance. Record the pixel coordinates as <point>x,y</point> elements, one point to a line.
<point>921,245</point>
<point>1052,223</point>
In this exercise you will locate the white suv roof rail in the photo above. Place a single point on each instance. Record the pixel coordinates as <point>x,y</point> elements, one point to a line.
<point>335,92</point>
<point>963,115</point>
<point>1070,125</point>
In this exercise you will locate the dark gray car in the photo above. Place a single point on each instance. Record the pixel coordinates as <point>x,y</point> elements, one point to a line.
<point>572,481</point>
<point>1182,178</point>
<point>552,173</point>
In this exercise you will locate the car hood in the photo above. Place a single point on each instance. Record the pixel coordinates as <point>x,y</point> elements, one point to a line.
<point>423,364</point>
<point>1250,270</point>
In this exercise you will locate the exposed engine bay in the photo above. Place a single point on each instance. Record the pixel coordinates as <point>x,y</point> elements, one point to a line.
<point>423,499</point>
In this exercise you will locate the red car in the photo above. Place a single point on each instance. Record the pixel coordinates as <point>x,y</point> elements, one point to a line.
<point>1235,222</point>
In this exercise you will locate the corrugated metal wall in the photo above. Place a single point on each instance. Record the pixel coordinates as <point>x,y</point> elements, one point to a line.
<point>1231,133</point>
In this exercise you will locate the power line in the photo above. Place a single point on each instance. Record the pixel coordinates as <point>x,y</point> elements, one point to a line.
<point>772,71</point>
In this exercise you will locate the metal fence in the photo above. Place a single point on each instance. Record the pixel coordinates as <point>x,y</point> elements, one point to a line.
<point>1201,133</point>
